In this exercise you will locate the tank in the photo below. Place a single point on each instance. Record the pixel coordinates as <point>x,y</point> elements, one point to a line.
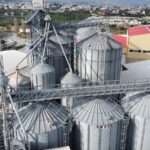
<point>56,57</point>
<point>43,76</point>
<point>70,80</point>
<point>99,62</point>
<point>137,106</point>
<point>44,125</point>
<point>19,81</point>
<point>97,124</point>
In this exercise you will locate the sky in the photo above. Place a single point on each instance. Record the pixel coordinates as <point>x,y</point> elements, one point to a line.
<point>96,1</point>
<point>109,1</point>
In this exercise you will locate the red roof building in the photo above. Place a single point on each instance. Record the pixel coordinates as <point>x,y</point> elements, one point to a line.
<point>138,30</point>
<point>121,39</point>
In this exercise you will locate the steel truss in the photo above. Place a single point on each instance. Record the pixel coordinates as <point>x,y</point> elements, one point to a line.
<point>83,90</point>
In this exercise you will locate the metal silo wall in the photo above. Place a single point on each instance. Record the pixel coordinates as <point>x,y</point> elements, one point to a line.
<point>90,137</point>
<point>73,80</point>
<point>57,59</point>
<point>90,64</point>
<point>60,66</point>
<point>138,134</point>
<point>44,140</point>
<point>43,79</point>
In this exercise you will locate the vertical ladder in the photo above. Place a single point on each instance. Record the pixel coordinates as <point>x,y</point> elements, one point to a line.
<point>103,56</point>
<point>125,123</point>
<point>65,134</point>
<point>1,134</point>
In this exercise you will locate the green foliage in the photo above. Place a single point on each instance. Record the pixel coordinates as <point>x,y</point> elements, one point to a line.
<point>19,47</point>
<point>2,41</point>
<point>147,11</point>
<point>7,16</point>
<point>70,16</point>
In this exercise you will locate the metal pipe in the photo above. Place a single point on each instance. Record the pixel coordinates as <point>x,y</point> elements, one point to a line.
<point>46,30</point>
<point>17,115</point>
<point>62,49</point>
<point>30,51</point>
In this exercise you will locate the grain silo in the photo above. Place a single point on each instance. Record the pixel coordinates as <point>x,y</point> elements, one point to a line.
<point>137,106</point>
<point>45,125</point>
<point>70,80</point>
<point>97,124</point>
<point>43,76</point>
<point>56,58</point>
<point>99,58</point>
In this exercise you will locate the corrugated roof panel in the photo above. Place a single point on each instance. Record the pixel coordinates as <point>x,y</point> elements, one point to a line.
<point>121,39</point>
<point>41,118</point>
<point>96,42</point>
<point>138,30</point>
<point>137,104</point>
<point>98,112</point>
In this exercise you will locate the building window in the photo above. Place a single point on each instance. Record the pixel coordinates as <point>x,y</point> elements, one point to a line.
<point>146,51</point>
<point>135,51</point>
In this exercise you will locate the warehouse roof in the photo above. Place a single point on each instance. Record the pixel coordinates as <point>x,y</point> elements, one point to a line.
<point>136,71</point>
<point>138,30</point>
<point>11,58</point>
<point>121,39</point>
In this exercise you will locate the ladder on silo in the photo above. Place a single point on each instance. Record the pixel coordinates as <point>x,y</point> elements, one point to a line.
<point>124,127</point>
<point>65,134</point>
<point>1,135</point>
<point>103,56</point>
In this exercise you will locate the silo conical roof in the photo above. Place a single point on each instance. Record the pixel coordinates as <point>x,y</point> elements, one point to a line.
<point>71,78</point>
<point>84,33</point>
<point>42,68</point>
<point>96,42</point>
<point>98,112</point>
<point>41,118</point>
<point>62,37</point>
<point>137,104</point>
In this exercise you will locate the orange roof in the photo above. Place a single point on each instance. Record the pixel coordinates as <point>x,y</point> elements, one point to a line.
<point>121,39</point>
<point>138,30</point>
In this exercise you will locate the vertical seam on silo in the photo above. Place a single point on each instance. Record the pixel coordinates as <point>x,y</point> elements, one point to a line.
<point>86,61</point>
<point>143,133</point>
<point>100,136</point>
<point>92,73</point>
<point>98,61</point>
<point>88,137</point>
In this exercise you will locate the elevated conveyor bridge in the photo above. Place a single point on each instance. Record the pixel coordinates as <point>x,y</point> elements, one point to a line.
<point>83,90</point>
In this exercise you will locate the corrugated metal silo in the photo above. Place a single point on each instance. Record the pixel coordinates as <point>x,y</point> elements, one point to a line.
<point>70,80</point>
<point>56,57</point>
<point>137,105</point>
<point>44,125</point>
<point>43,76</point>
<point>97,125</point>
<point>99,60</point>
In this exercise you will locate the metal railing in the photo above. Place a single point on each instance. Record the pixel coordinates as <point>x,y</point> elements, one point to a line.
<point>80,90</point>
